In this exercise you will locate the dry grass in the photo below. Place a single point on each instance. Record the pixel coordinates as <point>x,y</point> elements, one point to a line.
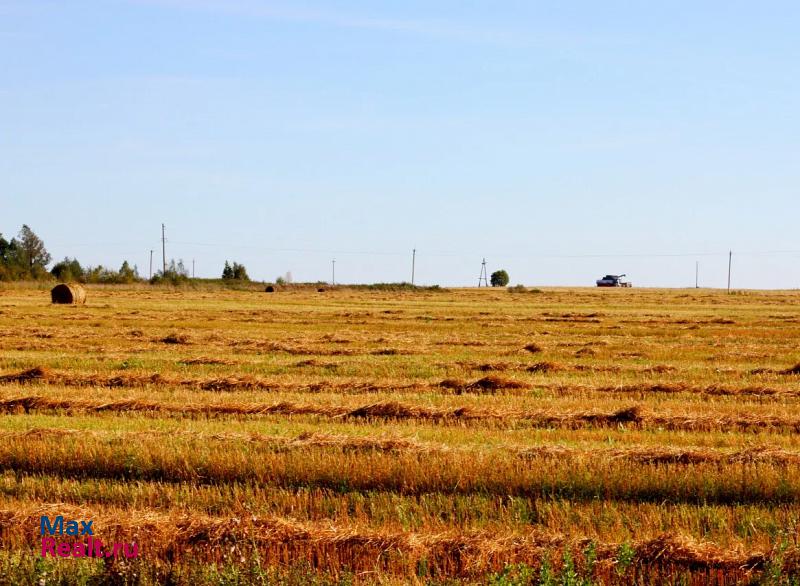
<point>394,436</point>
<point>339,550</point>
<point>176,339</point>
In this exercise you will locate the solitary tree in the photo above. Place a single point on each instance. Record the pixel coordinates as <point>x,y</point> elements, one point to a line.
<point>499,278</point>
<point>33,251</point>
<point>227,272</point>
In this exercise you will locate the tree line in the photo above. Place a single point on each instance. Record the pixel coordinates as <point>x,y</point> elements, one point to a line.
<point>25,258</point>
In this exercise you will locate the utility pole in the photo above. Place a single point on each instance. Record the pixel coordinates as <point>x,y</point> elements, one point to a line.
<point>151,263</point>
<point>413,262</point>
<point>163,251</point>
<point>730,259</point>
<point>192,268</point>
<point>697,274</point>
<point>333,272</point>
<point>483,275</point>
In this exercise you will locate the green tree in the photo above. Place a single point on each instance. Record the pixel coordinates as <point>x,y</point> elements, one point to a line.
<point>33,252</point>
<point>499,278</point>
<point>4,249</point>
<point>239,272</point>
<point>68,270</point>
<point>6,274</point>
<point>127,274</point>
<point>234,272</point>
<point>12,266</point>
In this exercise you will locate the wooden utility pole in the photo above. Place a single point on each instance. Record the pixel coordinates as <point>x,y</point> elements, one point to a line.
<point>730,259</point>
<point>192,268</point>
<point>151,263</point>
<point>413,262</point>
<point>697,274</point>
<point>163,251</point>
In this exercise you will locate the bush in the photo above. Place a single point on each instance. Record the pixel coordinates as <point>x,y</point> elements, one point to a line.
<point>499,278</point>
<point>523,289</point>
<point>403,286</point>
<point>176,274</point>
<point>68,270</point>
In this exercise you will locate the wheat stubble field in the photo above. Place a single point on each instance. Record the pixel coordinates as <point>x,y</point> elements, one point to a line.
<point>376,436</point>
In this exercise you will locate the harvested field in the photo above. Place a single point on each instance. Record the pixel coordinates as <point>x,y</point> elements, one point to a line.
<point>393,437</point>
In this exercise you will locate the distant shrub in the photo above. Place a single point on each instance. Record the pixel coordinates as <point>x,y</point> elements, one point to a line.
<point>176,274</point>
<point>402,286</point>
<point>523,289</point>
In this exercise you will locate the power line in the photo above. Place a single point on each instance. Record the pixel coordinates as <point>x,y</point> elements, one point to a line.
<point>466,253</point>
<point>454,253</point>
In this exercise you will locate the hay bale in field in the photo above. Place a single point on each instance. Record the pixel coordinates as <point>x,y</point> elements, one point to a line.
<point>269,289</point>
<point>68,293</point>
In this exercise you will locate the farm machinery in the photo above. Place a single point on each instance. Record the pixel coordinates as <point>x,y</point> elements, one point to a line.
<point>613,281</point>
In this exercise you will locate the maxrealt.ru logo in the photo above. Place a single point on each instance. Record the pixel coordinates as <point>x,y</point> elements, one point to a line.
<point>91,547</point>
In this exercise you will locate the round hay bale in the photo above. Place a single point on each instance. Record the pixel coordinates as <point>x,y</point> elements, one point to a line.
<point>68,293</point>
<point>270,289</point>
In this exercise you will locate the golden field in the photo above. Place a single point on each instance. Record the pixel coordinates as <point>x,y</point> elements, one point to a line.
<point>357,435</point>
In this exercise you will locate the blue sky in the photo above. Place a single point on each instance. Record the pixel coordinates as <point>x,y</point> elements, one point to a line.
<point>560,140</point>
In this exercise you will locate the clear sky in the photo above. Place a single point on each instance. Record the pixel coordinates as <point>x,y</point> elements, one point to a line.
<point>561,140</point>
